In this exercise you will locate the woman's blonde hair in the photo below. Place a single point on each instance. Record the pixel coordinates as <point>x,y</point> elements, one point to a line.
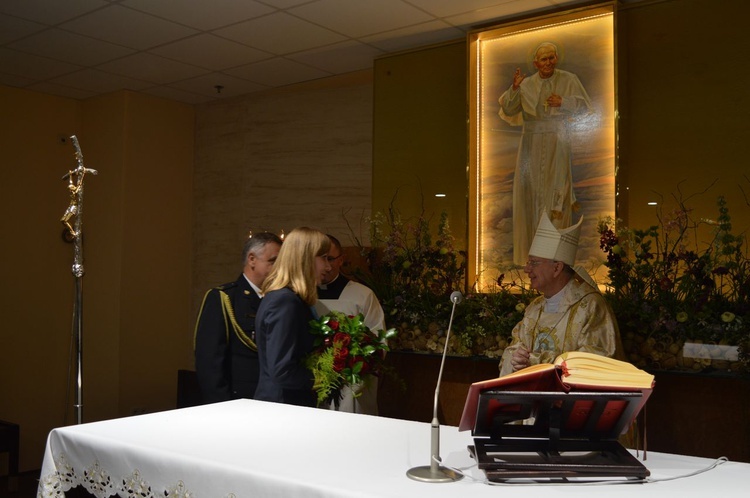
<point>295,264</point>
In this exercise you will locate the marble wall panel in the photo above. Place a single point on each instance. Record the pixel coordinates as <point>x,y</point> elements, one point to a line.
<point>274,161</point>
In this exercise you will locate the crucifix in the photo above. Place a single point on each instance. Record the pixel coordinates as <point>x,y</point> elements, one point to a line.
<point>73,222</point>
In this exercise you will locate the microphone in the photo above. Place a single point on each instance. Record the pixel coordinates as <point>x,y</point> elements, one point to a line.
<point>456,298</point>
<point>436,472</point>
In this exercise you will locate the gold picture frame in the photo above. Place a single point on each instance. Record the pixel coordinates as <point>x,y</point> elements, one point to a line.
<point>501,206</point>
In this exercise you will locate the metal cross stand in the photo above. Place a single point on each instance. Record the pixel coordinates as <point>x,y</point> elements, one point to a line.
<point>74,232</point>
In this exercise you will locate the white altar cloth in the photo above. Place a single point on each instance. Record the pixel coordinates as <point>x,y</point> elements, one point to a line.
<point>248,448</point>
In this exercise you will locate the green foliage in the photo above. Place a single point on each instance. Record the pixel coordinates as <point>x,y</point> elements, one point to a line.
<point>326,379</point>
<point>346,351</point>
<point>663,282</point>
<point>413,273</point>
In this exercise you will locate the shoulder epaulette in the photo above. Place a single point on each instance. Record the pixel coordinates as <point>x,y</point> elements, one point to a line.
<point>226,286</point>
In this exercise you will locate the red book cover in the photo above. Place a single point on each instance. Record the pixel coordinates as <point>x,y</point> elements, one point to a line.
<point>608,375</point>
<point>534,378</point>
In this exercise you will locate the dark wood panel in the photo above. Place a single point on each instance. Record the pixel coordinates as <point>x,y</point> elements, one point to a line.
<point>419,373</point>
<point>700,415</point>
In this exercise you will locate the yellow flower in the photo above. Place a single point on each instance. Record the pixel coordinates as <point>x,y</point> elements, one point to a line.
<point>727,316</point>
<point>520,307</point>
<point>682,317</point>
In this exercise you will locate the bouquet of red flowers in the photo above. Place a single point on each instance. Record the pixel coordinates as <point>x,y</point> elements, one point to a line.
<point>346,352</point>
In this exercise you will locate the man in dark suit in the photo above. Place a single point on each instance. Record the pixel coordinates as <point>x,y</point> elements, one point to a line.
<point>226,356</point>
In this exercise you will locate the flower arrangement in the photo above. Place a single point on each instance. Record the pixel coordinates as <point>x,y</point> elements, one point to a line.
<point>346,352</point>
<point>488,318</point>
<point>666,289</point>
<point>413,274</point>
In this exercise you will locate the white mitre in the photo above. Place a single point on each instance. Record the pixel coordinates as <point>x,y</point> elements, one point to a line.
<point>554,244</point>
<point>559,245</point>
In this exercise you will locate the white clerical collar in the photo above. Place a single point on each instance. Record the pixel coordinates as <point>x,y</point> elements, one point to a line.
<point>325,286</point>
<point>255,287</point>
<point>551,304</point>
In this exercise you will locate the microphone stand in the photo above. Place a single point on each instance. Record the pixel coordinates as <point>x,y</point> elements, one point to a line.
<point>436,472</point>
<point>74,233</point>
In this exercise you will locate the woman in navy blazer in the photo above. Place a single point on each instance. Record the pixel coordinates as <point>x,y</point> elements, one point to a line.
<point>282,324</point>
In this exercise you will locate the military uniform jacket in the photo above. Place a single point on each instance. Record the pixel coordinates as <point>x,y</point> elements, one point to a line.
<point>226,357</point>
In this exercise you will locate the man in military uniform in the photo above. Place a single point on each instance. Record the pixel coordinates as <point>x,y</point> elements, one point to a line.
<point>226,357</point>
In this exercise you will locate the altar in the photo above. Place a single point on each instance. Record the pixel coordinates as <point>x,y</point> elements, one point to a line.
<point>247,448</point>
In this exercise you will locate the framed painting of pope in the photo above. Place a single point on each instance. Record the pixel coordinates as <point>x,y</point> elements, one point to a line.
<point>542,137</point>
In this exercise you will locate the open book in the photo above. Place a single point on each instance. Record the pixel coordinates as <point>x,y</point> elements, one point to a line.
<point>572,371</point>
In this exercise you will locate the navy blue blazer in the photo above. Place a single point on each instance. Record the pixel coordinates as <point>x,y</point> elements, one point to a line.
<point>226,360</point>
<point>284,340</point>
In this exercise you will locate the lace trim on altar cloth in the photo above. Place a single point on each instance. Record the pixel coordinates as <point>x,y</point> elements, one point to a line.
<point>101,484</point>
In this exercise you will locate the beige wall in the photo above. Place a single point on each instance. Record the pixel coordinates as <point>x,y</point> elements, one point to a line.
<point>276,160</point>
<point>157,204</point>
<point>420,135</point>
<point>137,250</point>
<point>36,289</point>
<point>683,111</point>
